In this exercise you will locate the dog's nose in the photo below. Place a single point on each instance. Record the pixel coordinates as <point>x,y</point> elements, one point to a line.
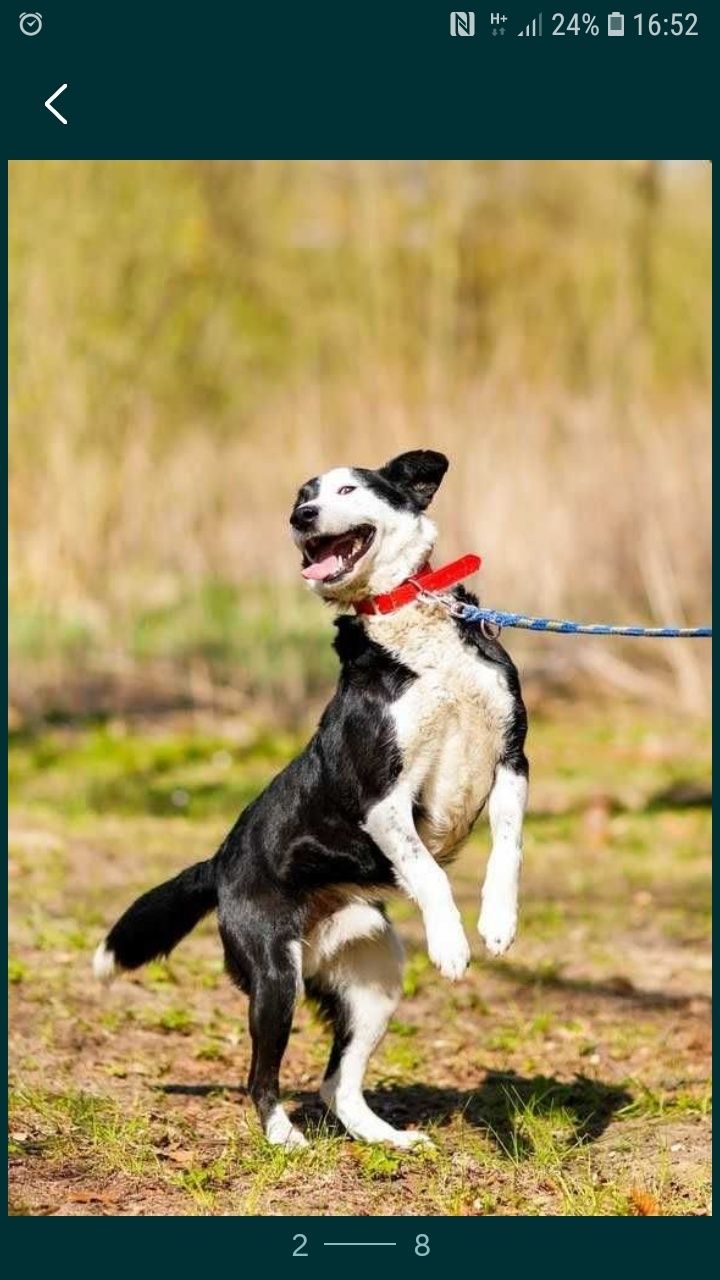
<point>304,517</point>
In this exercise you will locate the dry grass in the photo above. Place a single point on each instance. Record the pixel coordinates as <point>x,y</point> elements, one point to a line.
<point>616,532</point>
<point>199,338</point>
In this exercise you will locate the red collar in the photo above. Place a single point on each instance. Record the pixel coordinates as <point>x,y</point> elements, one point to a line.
<point>426,579</point>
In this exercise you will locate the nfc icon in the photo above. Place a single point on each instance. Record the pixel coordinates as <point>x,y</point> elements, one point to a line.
<point>462,24</point>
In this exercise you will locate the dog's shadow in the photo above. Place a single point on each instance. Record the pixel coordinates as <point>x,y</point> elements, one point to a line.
<point>502,1107</point>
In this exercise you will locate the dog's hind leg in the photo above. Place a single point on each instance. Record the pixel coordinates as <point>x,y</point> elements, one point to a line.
<point>497,924</point>
<point>358,988</point>
<point>266,964</point>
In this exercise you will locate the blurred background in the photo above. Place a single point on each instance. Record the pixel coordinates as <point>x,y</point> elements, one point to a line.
<point>188,343</point>
<point>191,340</point>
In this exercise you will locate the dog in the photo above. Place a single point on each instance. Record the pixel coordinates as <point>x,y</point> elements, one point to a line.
<point>427,726</point>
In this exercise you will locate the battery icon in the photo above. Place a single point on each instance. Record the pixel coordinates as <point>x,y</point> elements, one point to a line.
<point>616,24</point>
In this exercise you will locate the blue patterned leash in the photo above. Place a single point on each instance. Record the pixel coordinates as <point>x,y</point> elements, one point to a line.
<point>498,618</point>
<point>428,585</point>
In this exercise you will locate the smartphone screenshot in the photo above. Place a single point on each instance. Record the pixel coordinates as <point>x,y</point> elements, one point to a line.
<point>359,549</point>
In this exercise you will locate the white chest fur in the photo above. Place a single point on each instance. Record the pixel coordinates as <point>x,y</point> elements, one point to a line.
<point>450,723</point>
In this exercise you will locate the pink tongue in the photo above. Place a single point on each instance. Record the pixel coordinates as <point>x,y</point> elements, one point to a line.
<point>321,569</point>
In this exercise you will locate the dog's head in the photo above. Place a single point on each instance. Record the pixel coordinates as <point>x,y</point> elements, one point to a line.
<point>362,532</point>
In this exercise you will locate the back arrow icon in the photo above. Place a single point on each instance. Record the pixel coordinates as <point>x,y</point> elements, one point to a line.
<point>49,103</point>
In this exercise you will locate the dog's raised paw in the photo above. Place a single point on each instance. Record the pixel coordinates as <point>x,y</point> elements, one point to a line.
<point>449,952</point>
<point>497,926</point>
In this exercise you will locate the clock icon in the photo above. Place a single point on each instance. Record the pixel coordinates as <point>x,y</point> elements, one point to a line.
<point>30,23</point>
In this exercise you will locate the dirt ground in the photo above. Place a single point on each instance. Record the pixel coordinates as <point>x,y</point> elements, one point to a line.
<point>572,1077</point>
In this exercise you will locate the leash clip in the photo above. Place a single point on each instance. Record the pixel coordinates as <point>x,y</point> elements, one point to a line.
<point>454,607</point>
<point>491,630</point>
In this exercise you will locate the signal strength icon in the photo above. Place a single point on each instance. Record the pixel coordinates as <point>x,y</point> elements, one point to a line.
<point>533,28</point>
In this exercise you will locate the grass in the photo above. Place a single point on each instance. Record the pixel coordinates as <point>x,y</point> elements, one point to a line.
<point>82,1122</point>
<point>570,1078</point>
<point>131,773</point>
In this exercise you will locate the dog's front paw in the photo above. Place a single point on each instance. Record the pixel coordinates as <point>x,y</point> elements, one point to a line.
<point>497,925</point>
<point>449,950</point>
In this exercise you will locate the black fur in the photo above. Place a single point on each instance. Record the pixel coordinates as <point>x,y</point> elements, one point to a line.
<point>305,833</point>
<point>307,492</point>
<point>301,834</point>
<point>161,918</point>
<point>335,1012</point>
<point>408,482</point>
<point>418,473</point>
<point>492,651</point>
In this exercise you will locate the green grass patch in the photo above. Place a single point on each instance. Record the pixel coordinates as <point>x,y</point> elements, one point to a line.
<point>75,1122</point>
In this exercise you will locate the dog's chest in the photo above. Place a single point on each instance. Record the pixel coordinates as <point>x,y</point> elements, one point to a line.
<point>451,722</point>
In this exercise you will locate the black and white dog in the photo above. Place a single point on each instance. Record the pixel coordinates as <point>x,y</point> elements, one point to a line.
<point>426,725</point>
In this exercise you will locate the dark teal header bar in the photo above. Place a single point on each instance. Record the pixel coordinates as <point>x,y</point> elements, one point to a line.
<point>385,78</point>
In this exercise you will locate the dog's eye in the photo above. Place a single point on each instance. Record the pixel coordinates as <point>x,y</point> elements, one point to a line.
<point>348,488</point>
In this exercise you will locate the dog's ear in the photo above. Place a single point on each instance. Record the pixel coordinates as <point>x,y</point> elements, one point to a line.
<point>417,474</point>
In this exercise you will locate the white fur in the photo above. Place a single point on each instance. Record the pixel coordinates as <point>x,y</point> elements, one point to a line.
<point>451,721</point>
<point>366,973</point>
<point>390,824</point>
<point>497,924</point>
<point>281,1132</point>
<point>104,966</point>
<point>356,920</point>
<point>450,726</point>
<point>295,949</point>
<point>403,539</point>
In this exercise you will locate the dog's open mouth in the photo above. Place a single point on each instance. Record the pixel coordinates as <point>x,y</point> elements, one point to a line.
<point>330,558</point>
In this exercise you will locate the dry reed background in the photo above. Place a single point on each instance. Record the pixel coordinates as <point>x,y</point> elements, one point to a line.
<point>189,341</point>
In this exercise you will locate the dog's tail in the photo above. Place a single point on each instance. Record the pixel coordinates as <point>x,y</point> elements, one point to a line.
<point>158,920</point>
